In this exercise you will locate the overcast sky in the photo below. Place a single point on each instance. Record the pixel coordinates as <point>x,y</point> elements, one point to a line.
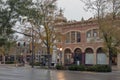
<point>73,9</point>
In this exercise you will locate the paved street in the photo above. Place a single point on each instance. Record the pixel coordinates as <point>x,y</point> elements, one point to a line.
<point>23,73</point>
<point>27,73</point>
<point>71,75</point>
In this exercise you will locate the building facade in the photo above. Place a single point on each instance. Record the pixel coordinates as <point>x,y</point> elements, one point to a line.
<point>81,42</point>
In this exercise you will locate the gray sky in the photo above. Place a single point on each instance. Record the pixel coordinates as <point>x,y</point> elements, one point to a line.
<point>73,9</point>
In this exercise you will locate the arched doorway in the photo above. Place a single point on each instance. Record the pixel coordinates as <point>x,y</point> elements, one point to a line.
<point>67,57</point>
<point>89,56</point>
<point>78,56</point>
<point>101,56</point>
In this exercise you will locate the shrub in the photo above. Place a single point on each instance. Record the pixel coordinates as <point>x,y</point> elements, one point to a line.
<point>98,68</point>
<point>90,68</point>
<point>73,67</point>
<point>59,67</point>
<point>102,68</point>
<point>36,64</point>
<point>9,62</point>
<point>76,68</point>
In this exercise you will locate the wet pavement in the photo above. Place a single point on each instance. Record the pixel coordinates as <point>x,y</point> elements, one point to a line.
<point>73,75</point>
<point>27,73</point>
<point>23,73</point>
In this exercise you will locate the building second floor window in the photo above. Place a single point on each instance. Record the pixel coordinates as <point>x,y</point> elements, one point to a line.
<point>78,37</point>
<point>95,33</point>
<point>89,34</point>
<point>67,38</point>
<point>92,35</point>
<point>73,37</point>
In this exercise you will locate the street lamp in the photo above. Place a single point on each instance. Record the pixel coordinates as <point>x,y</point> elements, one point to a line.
<point>60,55</point>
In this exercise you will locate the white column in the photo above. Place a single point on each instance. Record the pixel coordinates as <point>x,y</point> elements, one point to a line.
<point>95,58</point>
<point>54,55</point>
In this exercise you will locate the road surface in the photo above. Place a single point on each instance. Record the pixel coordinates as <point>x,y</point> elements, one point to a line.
<point>28,73</point>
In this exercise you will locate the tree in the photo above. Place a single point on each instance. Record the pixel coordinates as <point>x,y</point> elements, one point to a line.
<point>108,23</point>
<point>6,48</point>
<point>42,22</point>
<point>10,11</point>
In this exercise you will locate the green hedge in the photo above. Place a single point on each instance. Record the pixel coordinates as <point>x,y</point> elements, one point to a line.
<point>9,62</point>
<point>95,68</point>
<point>102,68</point>
<point>59,67</point>
<point>77,68</point>
<point>90,68</point>
<point>36,64</point>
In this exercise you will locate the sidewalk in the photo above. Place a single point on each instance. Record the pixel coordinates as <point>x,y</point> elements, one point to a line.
<point>7,65</point>
<point>115,68</point>
<point>15,65</point>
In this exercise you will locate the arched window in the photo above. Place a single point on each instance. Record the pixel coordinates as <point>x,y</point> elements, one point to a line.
<point>92,35</point>
<point>78,55</point>
<point>89,56</point>
<point>67,56</point>
<point>89,34</point>
<point>95,33</point>
<point>73,37</point>
<point>101,56</point>
<point>89,50</point>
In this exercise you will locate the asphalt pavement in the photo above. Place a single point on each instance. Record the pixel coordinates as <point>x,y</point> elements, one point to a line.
<point>23,73</point>
<point>28,73</point>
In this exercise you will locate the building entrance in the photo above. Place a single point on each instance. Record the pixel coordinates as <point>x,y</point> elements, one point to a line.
<point>78,56</point>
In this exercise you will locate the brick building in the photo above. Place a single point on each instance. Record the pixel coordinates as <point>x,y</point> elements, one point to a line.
<point>80,42</point>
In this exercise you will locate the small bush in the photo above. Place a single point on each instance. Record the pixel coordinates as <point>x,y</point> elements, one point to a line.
<point>76,68</point>
<point>9,62</point>
<point>102,68</point>
<point>90,68</point>
<point>98,68</point>
<point>73,67</point>
<point>59,67</point>
<point>81,68</point>
<point>36,64</point>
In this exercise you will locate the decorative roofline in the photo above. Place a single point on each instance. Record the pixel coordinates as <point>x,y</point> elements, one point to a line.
<point>82,23</point>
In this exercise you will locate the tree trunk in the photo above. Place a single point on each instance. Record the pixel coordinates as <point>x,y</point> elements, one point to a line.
<point>49,57</point>
<point>110,59</point>
<point>3,59</point>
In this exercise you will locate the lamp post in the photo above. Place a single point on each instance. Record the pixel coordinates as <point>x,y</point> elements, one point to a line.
<point>60,56</point>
